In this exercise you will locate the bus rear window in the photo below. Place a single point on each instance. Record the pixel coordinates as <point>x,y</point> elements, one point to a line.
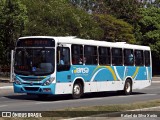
<point>147,58</point>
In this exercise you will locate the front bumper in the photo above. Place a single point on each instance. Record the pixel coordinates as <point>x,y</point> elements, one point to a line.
<point>35,89</point>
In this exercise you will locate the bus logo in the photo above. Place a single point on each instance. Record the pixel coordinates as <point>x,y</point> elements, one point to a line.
<point>81,70</point>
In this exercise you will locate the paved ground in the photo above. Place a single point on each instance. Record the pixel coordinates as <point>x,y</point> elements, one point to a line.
<point>10,101</point>
<point>22,102</point>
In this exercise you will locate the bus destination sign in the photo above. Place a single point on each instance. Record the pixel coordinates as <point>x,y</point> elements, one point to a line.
<point>36,42</point>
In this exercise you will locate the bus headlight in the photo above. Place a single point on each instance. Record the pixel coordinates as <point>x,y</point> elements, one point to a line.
<point>17,81</point>
<point>49,81</point>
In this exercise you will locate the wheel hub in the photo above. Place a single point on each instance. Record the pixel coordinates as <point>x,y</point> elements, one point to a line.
<point>76,89</point>
<point>128,87</point>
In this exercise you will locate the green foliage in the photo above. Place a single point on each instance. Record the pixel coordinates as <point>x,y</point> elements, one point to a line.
<point>125,9</point>
<point>59,18</point>
<point>12,21</point>
<point>150,28</point>
<point>111,20</point>
<point>157,3</point>
<point>115,30</point>
<point>91,6</point>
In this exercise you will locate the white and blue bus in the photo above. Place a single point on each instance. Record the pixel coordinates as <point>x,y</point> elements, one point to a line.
<point>46,65</point>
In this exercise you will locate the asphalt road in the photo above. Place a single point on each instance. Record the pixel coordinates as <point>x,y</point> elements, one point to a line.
<point>10,101</point>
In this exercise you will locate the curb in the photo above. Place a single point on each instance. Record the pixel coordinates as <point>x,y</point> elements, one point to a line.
<point>112,114</point>
<point>4,80</point>
<point>6,87</point>
<point>147,109</point>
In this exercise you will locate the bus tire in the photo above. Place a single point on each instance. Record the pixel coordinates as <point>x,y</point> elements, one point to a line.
<point>77,90</point>
<point>128,87</point>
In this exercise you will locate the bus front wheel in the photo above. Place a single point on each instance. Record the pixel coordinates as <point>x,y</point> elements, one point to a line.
<point>77,90</point>
<point>128,87</point>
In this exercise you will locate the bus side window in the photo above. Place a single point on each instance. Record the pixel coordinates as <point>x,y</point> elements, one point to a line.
<point>147,58</point>
<point>77,54</point>
<point>128,57</point>
<point>139,60</point>
<point>90,55</point>
<point>104,55</point>
<point>116,56</point>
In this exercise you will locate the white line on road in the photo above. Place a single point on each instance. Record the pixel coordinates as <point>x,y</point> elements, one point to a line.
<point>155,81</point>
<point>3,106</point>
<point>48,102</point>
<point>3,98</point>
<point>6,87</point>
<point>135,95</point>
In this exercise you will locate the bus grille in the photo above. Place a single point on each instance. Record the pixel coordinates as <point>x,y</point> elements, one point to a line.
<point>32,83</point>
<point>31,79</point>
<point>31,88</point>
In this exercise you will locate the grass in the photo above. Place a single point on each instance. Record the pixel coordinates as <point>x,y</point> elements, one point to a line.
<point>94,110</point>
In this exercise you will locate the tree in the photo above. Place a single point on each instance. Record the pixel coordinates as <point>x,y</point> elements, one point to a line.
<point>12,21</point>
<point>127,10</point>
<point>91,6</point>
<point>60,18</point>
<point>150,32</point>
<point>150,25</point>
<point>115,30</point>
<point>156,3</point>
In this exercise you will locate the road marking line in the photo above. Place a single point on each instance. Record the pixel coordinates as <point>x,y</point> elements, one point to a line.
<point>137,95</point>
<point>3,98</point>
<point>3,105</point>
<point>48,102</point>
<point>146,94</point>
<point>6,87</point>
<point>155,81</point>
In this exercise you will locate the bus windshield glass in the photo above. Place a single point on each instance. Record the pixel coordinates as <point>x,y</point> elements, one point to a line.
<point>34,61</point>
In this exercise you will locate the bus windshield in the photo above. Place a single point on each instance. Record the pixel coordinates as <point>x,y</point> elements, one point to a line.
<point>34,61</point>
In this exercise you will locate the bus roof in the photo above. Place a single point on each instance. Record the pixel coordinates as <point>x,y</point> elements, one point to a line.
<point>75,40</point>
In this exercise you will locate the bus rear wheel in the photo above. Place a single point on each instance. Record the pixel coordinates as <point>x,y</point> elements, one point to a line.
<point>128,87</point>
<point>77,90</point>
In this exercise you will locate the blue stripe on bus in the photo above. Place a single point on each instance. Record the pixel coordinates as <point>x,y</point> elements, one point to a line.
<point>104,73</point>
<point>89,73</point>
